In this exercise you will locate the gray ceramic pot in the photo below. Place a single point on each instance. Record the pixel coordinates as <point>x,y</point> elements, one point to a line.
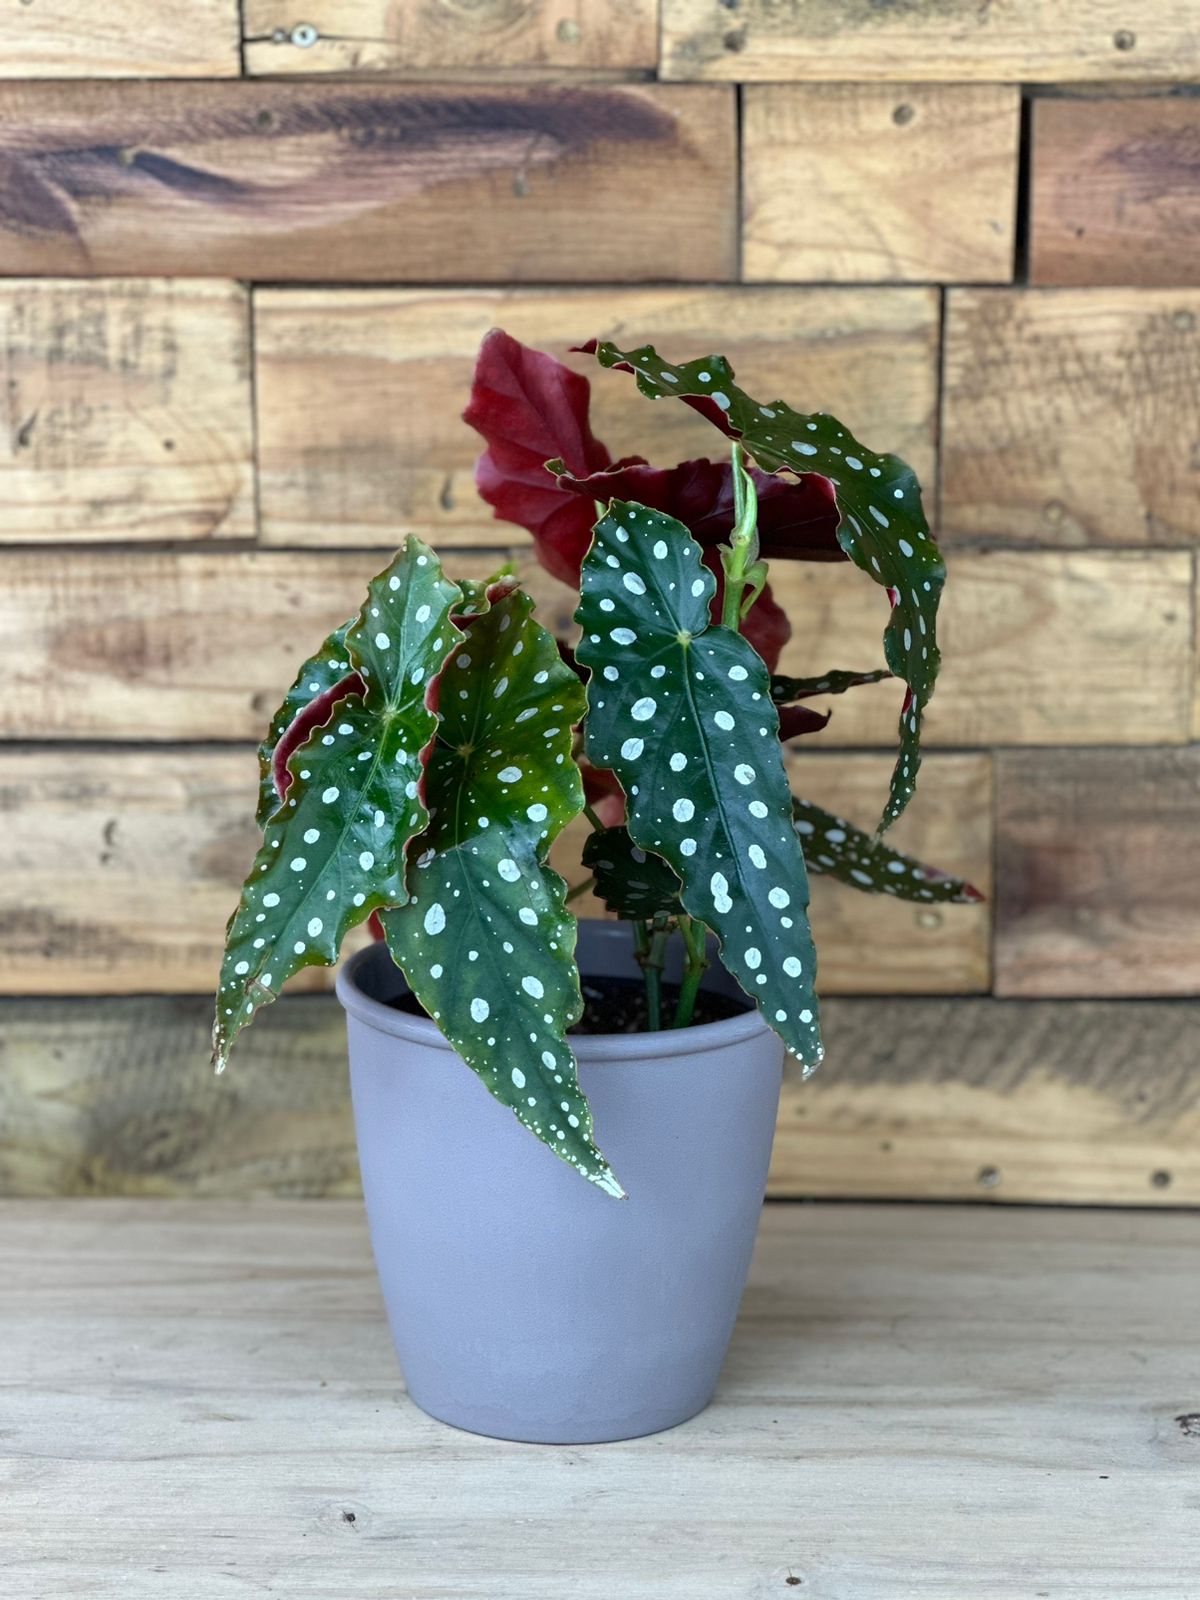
<point>524,1302</point>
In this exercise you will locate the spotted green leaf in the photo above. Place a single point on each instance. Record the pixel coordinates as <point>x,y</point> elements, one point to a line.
<point>882,524</point>
<point>633,883</point>
<point>680,710</point>
<point>787,691</point>
<point>486,941</point>
<point>334,851</point>
<point>837,848</point>
<point>320,676</point>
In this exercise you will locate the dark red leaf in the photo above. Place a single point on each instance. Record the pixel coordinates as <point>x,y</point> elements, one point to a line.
<point>797,720</point>
<point>797,517</point>
<point>529,408</point>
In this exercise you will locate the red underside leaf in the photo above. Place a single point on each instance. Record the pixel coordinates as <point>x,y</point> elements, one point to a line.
<point>797,517</point>
<point>529,408</point>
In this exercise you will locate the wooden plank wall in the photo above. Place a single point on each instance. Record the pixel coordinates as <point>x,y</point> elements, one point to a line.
<point>246,257</point>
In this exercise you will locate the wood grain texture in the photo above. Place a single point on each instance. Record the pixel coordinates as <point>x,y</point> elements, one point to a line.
<point>128,411</point>
<point>363,182</point>
<point>1020,41</point>
<point>902,183</point>
<point>869,945</point>
<point>183,644</point>
<point>1041,647</point>
<point>1072,417</point>
<point>496,37</point>
<point>944,1402</point>
<point>360,392</point>
<point>119,869</point>
<point>1054,1102</point>
<point>1098,867</point>
<point>136,39</point>
<point>1114,195</point>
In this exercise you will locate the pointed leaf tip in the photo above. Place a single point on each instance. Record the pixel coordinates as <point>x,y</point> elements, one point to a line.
<point>334,849</point>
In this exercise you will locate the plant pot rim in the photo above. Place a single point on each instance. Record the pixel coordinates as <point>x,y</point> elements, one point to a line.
<point>629,1048</point>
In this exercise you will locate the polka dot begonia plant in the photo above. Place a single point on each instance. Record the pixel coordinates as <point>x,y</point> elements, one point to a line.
<point>428,755</point>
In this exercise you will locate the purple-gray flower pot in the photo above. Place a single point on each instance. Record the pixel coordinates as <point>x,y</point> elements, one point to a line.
<point>524,1302</point>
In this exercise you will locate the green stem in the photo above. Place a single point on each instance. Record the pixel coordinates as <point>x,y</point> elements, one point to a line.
<point>742,551</point>
<point>695,939</point>
<point>592,818</point>
<point>650,942</point>
<point>580,888</point>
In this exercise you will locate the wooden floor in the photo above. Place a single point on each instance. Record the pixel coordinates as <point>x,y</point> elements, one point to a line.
<point>200,1401</point>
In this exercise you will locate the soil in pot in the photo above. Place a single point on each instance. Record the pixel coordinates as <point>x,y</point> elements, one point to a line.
<point>618,1005</point>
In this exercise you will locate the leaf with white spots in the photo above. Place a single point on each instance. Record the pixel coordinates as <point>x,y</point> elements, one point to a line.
<point>882,528</point>
<point>334,850</point>
<point>840,850</point>
<point>788,691</point>
<point>680,709</point>
<point>323,680</point>
<point>486,940</point>
<point>634,883</point>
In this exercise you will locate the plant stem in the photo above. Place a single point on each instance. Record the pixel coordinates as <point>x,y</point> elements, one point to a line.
<point>580,888</point>
<point>695,938</point>
<point>592,818</point>
<point>742,551</point>
<point>650,941</point>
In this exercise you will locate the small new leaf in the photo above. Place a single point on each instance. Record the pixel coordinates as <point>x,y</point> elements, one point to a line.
<point>334,850</point>
<point>486,941</point>
<point>681,711</point>
<point>634,883</point>
<point>840,850</point>
<point>882,528</point>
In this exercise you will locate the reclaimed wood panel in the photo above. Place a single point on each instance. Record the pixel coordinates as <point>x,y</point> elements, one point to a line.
<point>1071,417</point>
<point>495,37</point>
<point>183,644</point>
<point>1020,41</point>
<point>903,183</point>
<point>119,869</point>
<point>128,409</point>
<point>362,182</point>
<point>1045,647</point>
<point>1041,1101</point>
<point>360,392</point>
<point>914,1403</point>
<point>136,39</point>
<point>1098,868</point>
<point>1114,195</point>
<point>869,945</point>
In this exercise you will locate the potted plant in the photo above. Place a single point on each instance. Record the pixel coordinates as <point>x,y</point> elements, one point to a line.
<point>417,773</point>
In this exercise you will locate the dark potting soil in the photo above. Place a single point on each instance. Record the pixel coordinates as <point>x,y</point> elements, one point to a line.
<point>618,1005</point>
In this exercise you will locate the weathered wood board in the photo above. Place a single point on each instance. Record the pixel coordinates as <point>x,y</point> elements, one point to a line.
<point>119,870</point>
<point>1020,41</point>
<point>952,1402</point>
<point>1070,417</point>
<point>904,183</point>
<point>360,392</point>
<point>495,37</point>
<point>194,644</point>
<point>128,411</point>
<point>134,39</point>
<point>364,182</point>
<point>1098,866</point>
<point>1114,198</point>
<point>171,644</point>
<point>1049,1102</point>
